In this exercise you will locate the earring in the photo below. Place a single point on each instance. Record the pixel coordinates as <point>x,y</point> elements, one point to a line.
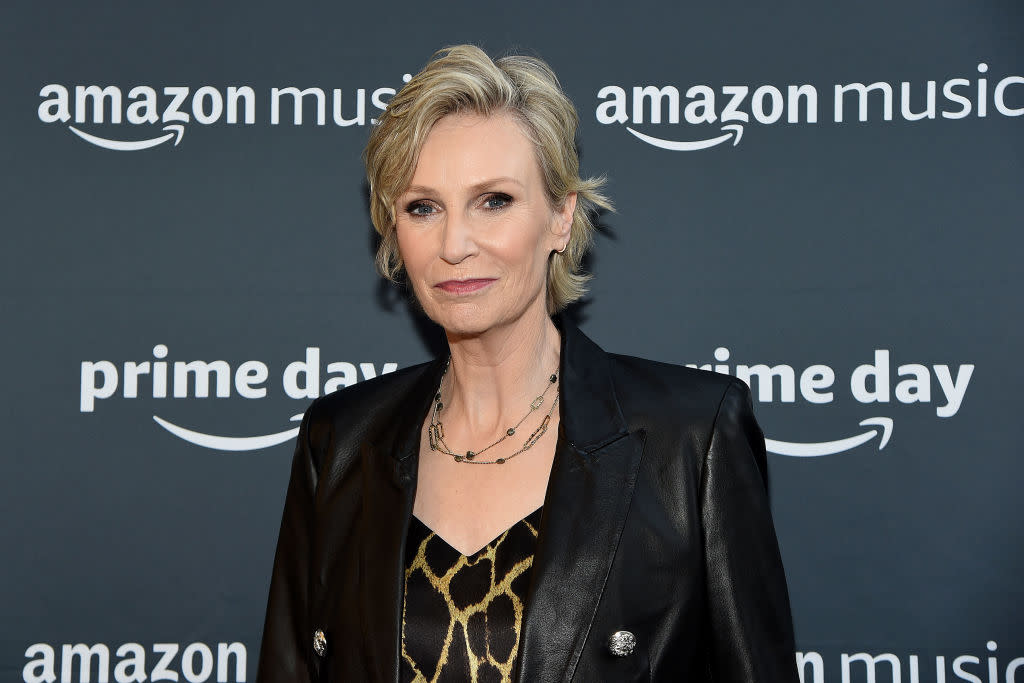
<point>562,250</point>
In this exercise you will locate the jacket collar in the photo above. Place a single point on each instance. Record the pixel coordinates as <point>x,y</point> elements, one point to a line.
<point>591,416</point>
<point>590,412</point>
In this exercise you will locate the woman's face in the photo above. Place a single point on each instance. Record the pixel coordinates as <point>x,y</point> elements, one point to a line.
<point>475,228</point>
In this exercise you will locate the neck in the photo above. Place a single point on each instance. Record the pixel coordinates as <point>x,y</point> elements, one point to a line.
<point>493,376</point>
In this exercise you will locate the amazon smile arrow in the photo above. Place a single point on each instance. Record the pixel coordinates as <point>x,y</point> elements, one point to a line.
<point>176,131</point>
<point>230,443</point>
<point>819,448</point>
<point>733,130</point>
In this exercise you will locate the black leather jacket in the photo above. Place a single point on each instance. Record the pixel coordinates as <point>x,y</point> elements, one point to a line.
<point>655,521</point>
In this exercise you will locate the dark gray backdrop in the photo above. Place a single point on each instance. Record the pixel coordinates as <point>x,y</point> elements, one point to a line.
<point>807,243</point>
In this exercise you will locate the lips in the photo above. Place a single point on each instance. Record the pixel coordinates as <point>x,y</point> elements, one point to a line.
<point>464,286</point>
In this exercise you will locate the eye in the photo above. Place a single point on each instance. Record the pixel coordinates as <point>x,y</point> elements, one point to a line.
<point>497,201</point>
<point>419,208</point>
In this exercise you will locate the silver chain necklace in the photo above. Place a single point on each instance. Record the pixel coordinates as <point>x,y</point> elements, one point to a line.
<point>435,432</point>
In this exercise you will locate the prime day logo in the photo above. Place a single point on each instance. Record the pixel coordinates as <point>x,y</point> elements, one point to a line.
<point>879,383</point>
<point>159,379</point>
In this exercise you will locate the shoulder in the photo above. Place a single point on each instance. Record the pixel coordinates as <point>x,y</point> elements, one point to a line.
<point>666,381</point>
<point>684,408</point>
<point>351,412</point>
<point>656,391</point>
<point>368,393</point>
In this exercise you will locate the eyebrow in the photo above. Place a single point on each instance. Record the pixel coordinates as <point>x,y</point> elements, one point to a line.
<point>423,189</point>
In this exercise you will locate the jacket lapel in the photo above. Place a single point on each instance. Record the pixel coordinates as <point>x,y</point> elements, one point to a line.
<point>587,501</point>
<point>389,461</point>
<point>589,492</point>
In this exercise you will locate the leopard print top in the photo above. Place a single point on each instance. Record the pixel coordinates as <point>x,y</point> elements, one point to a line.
<point>462,615</point>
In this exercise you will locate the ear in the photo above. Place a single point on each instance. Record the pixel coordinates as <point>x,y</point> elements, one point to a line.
<point>563,223</point>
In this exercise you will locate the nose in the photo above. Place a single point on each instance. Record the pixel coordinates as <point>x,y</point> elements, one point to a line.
<point>457,242</point>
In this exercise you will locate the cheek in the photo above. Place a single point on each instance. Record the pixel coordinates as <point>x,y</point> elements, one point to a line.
<point>411,249</point>
<point>525,242</point>
<point>531,254</point>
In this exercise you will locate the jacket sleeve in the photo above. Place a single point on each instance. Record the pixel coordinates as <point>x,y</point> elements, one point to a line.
<point>287,645</point>
<point>751,626</point>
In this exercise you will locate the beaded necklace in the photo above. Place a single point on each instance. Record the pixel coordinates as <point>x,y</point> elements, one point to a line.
<point>435,431</point>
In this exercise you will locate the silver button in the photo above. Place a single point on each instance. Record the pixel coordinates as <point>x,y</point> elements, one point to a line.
<point>621,643</point>
<point>319,642</point>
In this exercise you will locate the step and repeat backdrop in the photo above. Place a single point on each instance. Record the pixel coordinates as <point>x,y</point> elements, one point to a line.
<point>822,199</point>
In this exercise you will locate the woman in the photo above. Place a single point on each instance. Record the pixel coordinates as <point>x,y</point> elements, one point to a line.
<point>529,507</point>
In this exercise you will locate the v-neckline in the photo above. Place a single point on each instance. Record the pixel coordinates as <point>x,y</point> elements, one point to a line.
<point>485,546</point>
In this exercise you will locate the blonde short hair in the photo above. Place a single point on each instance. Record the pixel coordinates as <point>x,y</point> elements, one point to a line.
<point>463,79</point>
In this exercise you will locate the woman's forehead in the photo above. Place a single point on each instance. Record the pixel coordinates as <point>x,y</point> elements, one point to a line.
<point>465,151</point>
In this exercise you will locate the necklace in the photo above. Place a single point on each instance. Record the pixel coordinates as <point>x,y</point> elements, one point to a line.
<point>435,431</point>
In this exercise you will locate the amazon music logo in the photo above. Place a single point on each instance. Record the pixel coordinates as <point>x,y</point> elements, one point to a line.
<point>159,378</point>
<point>687,119</point>
<point>153,116</point>
<point>856,667</point>
<point>880,382</point>
<point>130,662</point>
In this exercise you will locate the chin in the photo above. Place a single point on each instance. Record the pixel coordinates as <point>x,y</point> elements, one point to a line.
<point>463,319</point>
<point>477,315</point>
